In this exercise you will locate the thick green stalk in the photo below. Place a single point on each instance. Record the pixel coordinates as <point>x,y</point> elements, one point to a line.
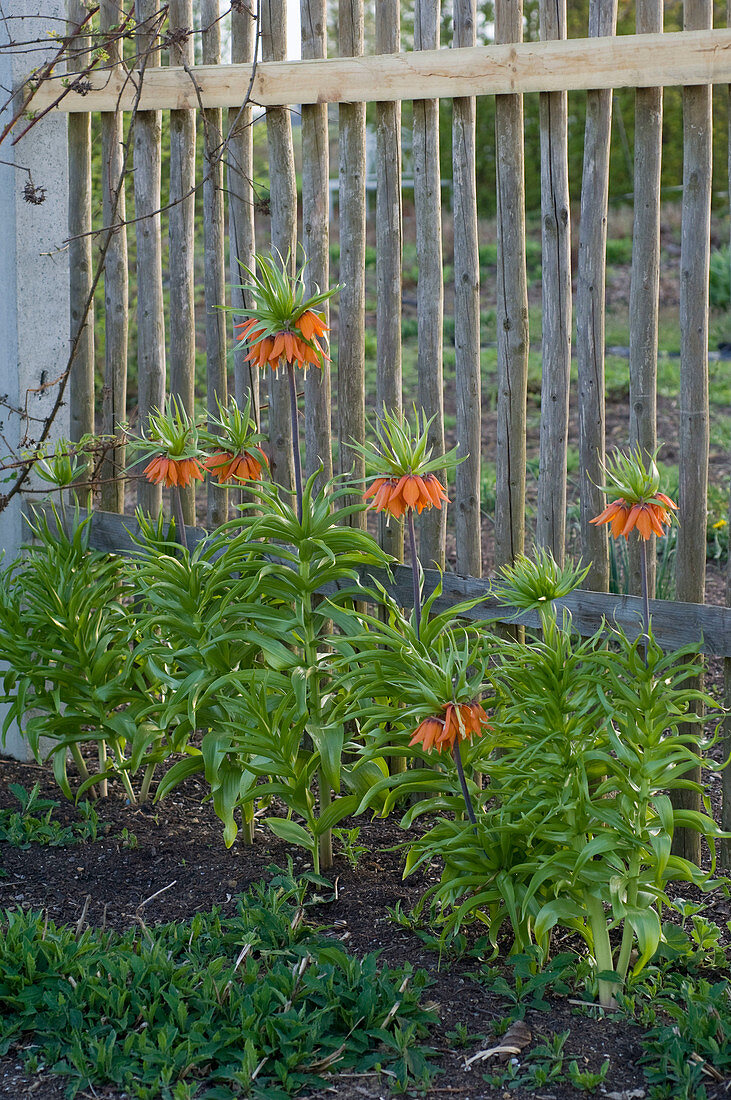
<point>81,765</point>
<point>146,781</point>
<point>295,439</point>
<point>414,569</point>
<point>123,774</point>
<point>247,832</point>
<point>324,848</point>
<point>463,784</point>
<point>102,753</point>
<point>602,948</point>
<point>645,593</point>
<point>177,502</point>
<point>628,937</point>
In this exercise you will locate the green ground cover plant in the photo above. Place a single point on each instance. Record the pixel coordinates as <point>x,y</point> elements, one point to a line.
<point>33,823</point>
<point>260,1004</point>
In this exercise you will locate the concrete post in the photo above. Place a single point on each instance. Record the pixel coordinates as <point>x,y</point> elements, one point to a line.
<point>34,270</point>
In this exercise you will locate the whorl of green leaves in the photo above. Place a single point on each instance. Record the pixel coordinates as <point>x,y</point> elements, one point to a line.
<point>400,447</point>
<point>280,298</point>
<point>170,430</point>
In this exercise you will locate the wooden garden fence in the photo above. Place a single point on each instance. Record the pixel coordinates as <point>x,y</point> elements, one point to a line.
<point>220,101</point>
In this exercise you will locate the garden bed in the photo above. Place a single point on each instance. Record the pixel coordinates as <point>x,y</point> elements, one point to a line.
<point>156,864</point>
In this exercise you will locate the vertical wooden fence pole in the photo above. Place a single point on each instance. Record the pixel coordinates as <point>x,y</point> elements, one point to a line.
<point>241,233</point>
<point>388,248</point>
<point>81,382</point>
<point>429,260</point>
<point>556,241</point>
<point>150,316</point>
<point>352,218</point>
<point>644,298</point>
<point>283,202</point>
<point>590,309</point>
<point>694,412</point>
<point>726,774</point>
<point>512,305</point>
<point>181,230</point>
<point>316,239</point>
<point>213,245</point>
<point>466,311</point>
<point>116,284</point>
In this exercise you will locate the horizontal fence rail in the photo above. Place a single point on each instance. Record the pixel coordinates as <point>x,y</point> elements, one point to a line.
<point>674,624</point>
<point>626,61</point>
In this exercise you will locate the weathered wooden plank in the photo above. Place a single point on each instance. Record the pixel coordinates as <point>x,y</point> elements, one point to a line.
<point>644,300</point>
<point>181,217</point>
<point>466,311</point>
<point>690,560</point>
<point>674,624</point>
<point>283,205</point>
<point>628,61</point>
<point>214,265</point>
<point>150,315</point>
<point>388,249</point>
<point>726,805</point>
<point>352,219</point>
<point>316,239</point>
<point>556,245</point>
<point>429,259</point>
<point>241,232</point>
<point>116,286</point>
<point>81,382</point>
<point>590,310</point>
<point>512,306</point>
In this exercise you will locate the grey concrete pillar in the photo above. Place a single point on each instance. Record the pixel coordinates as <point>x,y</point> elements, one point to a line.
<point>34,272</point>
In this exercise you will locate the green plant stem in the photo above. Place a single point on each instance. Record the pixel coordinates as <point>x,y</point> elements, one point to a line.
<point>146,781</point>
<point>625,949</point>
<point>602,948</point>
<point>123,775</point>
<point>645,593</point>
<point>295,440</point>
<point>414,570</point>
<point>102,753</point>
<point>323,851</point>
<point>457,757</point>
<point>64,515</point>
<point>325,839</point>
<point>177,502</point>
<point>247,830</point>
<point>81,764</point>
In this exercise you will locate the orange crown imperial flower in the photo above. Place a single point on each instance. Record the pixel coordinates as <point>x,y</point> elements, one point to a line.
<point>461,722</point>
<point>169,471</point>
<point>639,505</point>
<point>171,446</point>
<point>397,495</point>
<point>284,326</point>
<point>236,467</point>
<point>405,470</point>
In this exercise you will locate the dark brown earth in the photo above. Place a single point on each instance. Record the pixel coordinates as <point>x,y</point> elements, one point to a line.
<point>180,865</point>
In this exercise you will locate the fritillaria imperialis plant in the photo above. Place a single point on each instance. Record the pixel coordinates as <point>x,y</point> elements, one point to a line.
<point>583,743</point>
<point>400,460</point>
<point>174,457</point>
<point>241,642</point>
<point>284,328</point>
<point>65,626</point>
<point>412,692</point>
<point>639,506</point>
<point>236,445</point>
